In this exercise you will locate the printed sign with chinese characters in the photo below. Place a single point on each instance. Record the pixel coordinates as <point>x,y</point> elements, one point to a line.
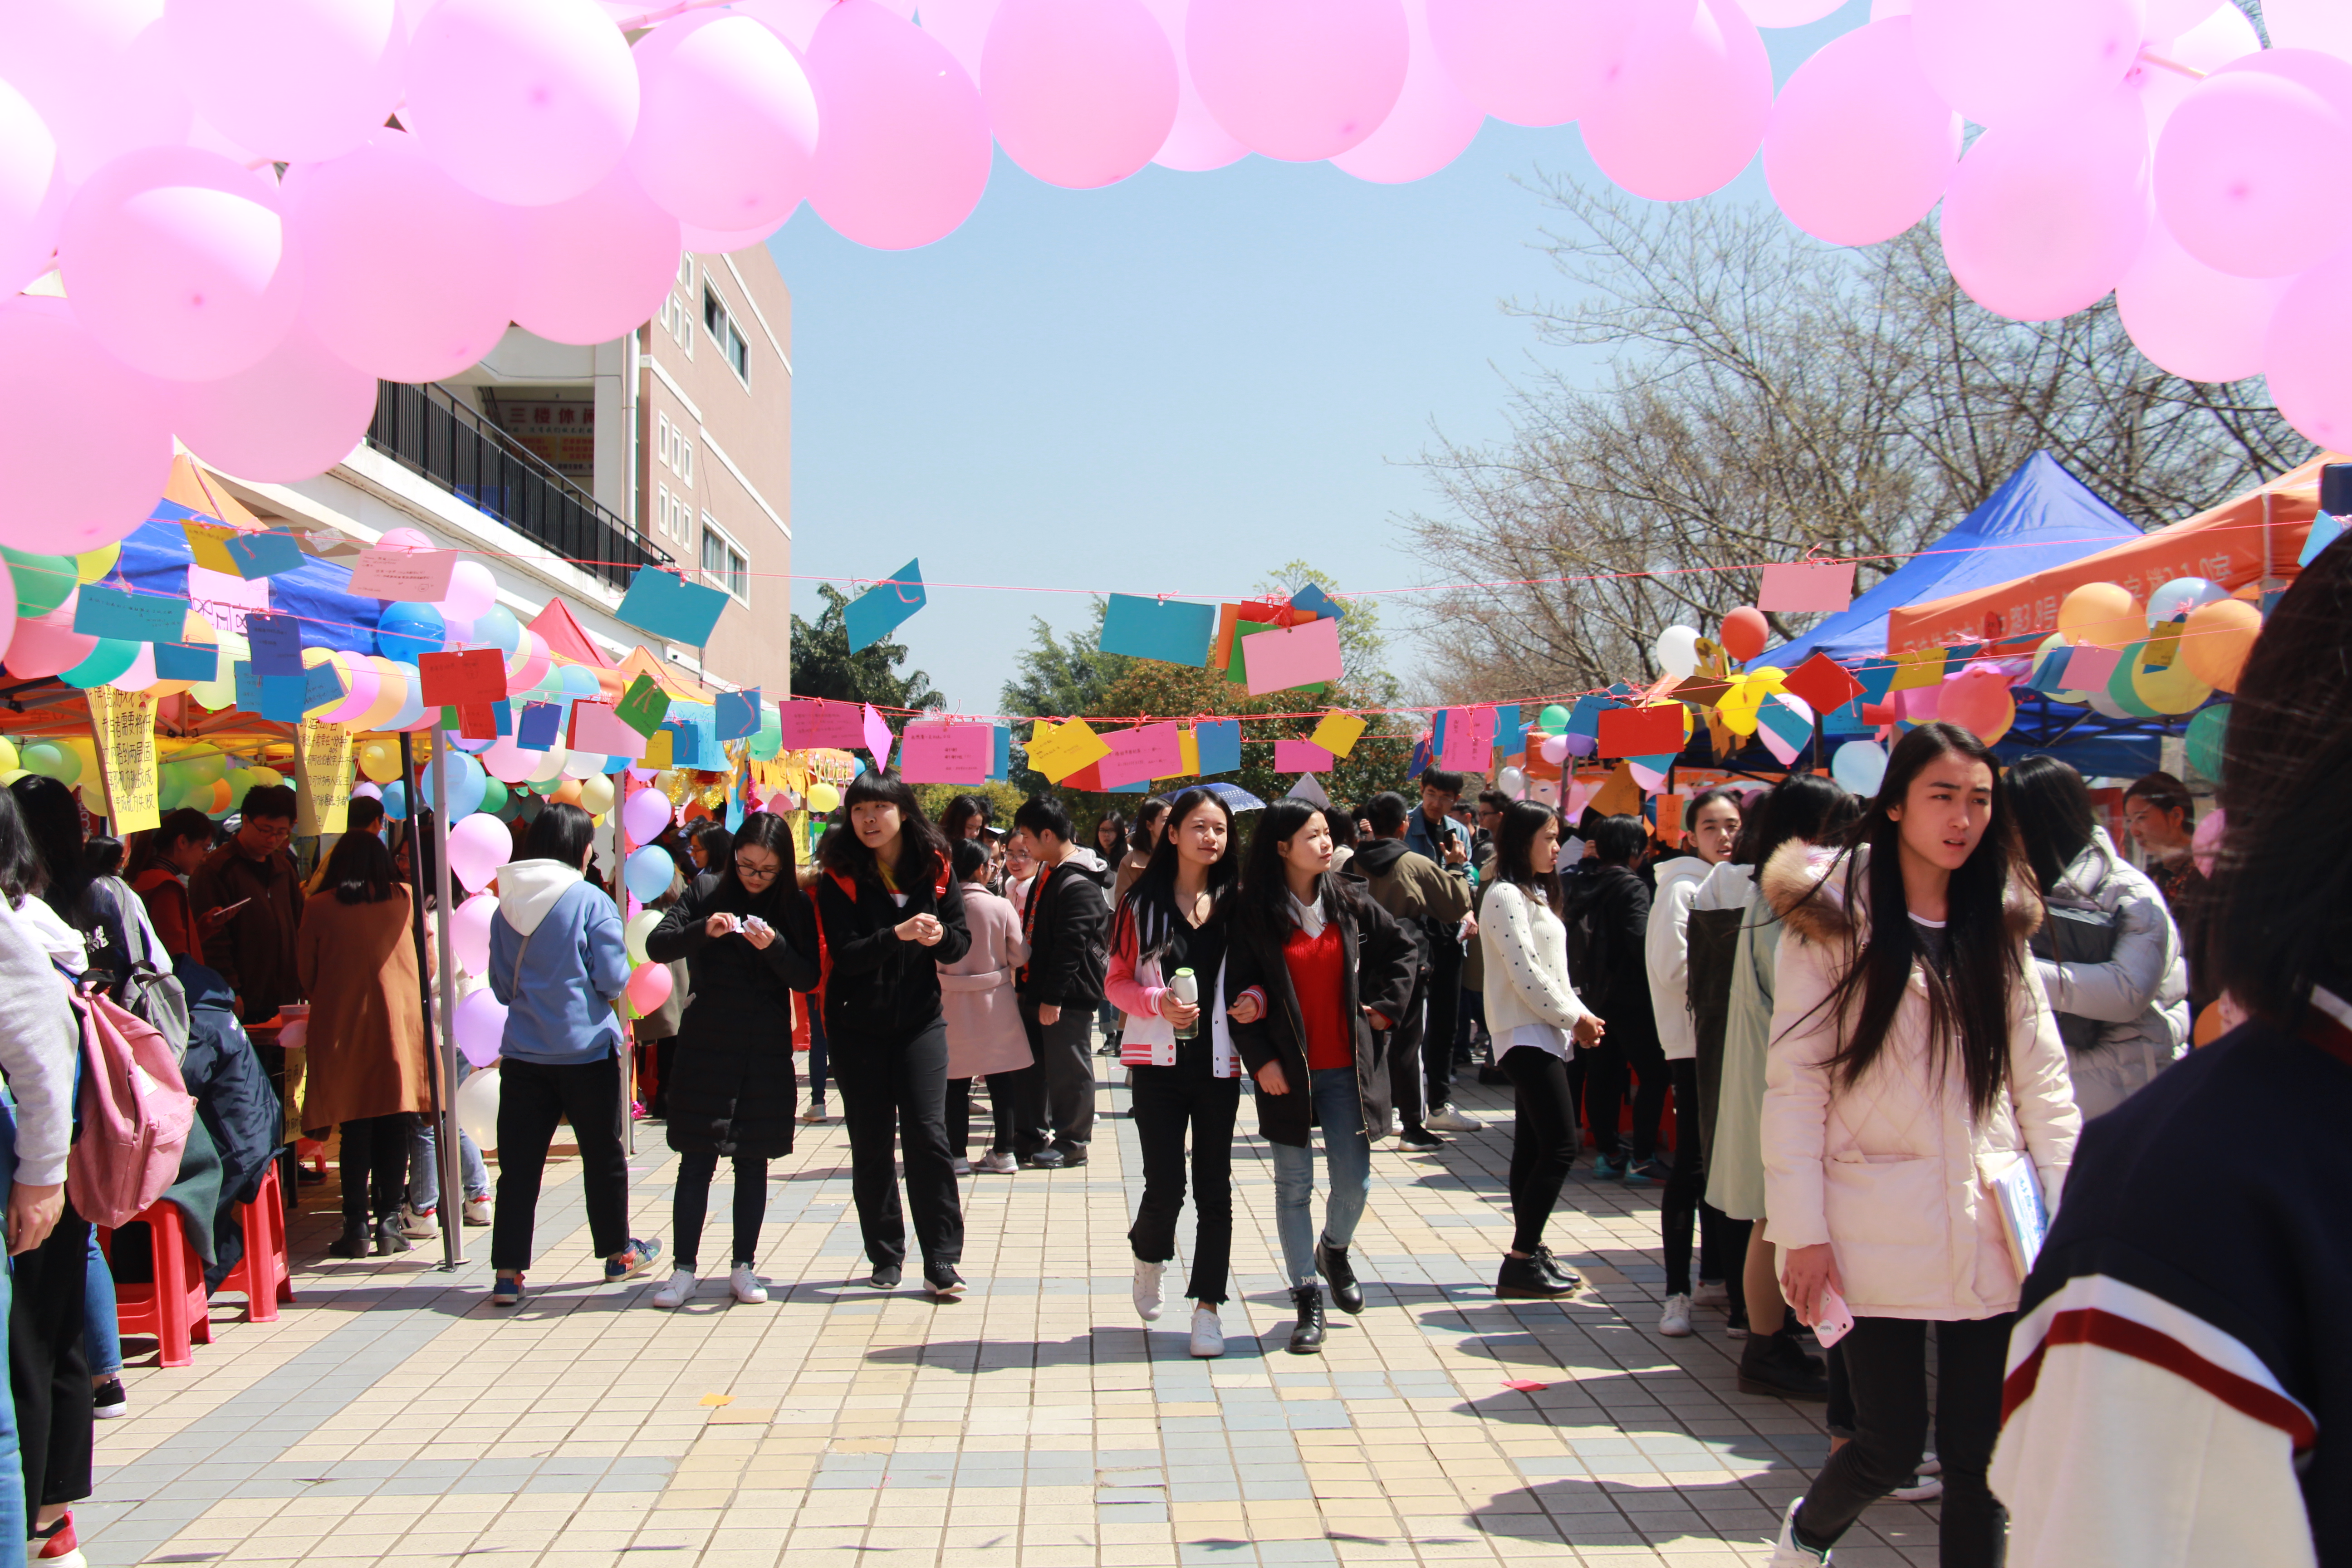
<point>123,725</point>
<point>322,761</point>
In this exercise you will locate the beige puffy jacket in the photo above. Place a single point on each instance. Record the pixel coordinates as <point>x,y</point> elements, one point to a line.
<point>1890,1169</point>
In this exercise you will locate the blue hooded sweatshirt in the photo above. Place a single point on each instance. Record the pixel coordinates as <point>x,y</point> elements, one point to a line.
<point>559,1008</point>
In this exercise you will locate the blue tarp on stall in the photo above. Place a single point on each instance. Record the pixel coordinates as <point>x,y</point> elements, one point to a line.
<point>156,558</point>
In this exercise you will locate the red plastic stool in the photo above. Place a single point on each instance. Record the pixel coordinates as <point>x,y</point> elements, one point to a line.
<point>172,1307</point>
<point>262,1274</point>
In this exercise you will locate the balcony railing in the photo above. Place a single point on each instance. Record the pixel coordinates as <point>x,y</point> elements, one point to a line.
<point>424,429</point>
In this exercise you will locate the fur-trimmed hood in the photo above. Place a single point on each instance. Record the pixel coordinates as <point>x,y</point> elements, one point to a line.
<point>1797,869</point>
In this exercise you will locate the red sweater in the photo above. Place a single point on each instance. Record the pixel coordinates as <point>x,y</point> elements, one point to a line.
<point>1320,985</point>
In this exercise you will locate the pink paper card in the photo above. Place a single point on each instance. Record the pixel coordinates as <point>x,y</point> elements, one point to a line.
<point>2089,668</point>
<point>1299,756</point>
<point>1469,739</point>
<point>420,576</point>
<point>1806,587</point>
<point>1145,752</point>
<point>877,738</point>
<point>946,753</point>
<point>1296,655</point>
<point>600,732</point>
<point>813,721</point>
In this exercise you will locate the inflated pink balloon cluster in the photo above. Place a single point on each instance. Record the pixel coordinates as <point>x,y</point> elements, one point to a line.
<point>258,207</point>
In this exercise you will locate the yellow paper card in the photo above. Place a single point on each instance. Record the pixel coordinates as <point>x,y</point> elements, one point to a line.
<point>1338,733</point>
<point>1920,667</point>
<point>657,749</point>
<point>208,543</point>
<point>1621,795</point>
<point>1187,757</point>
<point>122,723</point>
<point>1057,750</point>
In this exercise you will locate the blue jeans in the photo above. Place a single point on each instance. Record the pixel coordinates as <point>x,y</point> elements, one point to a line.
<point>424,1158</point>
<point>1339,1110</point>
<point>101,1332</point>
<point>13,1524</point>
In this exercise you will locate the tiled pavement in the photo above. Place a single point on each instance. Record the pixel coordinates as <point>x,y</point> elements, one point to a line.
<point>390,1416</point>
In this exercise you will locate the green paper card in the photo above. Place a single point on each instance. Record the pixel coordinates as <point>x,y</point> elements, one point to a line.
<point>642,706</point>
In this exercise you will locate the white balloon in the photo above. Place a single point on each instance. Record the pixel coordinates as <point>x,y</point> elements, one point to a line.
<point>1677,652</point>
<point>1860,767</point>
<point>478,1107</point>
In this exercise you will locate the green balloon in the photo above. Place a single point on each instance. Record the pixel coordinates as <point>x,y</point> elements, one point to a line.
<point>494,795</point>
<point>43,581</point>
<point>171,785</point>
<point>2207,731</point>
<point>110,658</point>
<point>2120,690</point>
<point>52,761</point>
<point>1553,720</point>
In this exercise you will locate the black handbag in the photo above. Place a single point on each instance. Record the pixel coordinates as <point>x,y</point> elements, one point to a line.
<point>2077,933</point>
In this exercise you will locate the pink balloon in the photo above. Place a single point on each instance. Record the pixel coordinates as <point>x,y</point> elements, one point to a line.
<point>1788,13</point>
<point>2044,217</point>
<point>1859,147</point>
<point>103,76</point>
<point>724,242</point>
<point>2304,353</point>
<point>2190,319</point>
<point>403,539</point>
<point>1997,62</point>
<point>650,986</point>
<point>175,260</point>
<point>1432,124</point>
<point>727,134</point>
<point>361,685</point>
<point>407,275</point>
<point>472,591</point>
<point>593,267</point>
<point>293,79</point>
<point>2223,36</point>
<point>48,645</point>
<point>142,673</point>
<point>905,152</point>
<point>1978,701</point>
<point>1685,109</point>
<point>646,813</point>
<point>509,762</point>
<point>480,1024</point>
<point>292,416</point>
<point>1299,79</point>
<point>1196,143</point>
<point>470,932</point>
<point>1080,93</point>
<point>530,662</point>
<point>527,101</point>
<point>478,845</point>
<point>1531,62</point>
<point>961,26</point>
<point>2243,162</point>
<point>85,443</point>
<point>28,161</point>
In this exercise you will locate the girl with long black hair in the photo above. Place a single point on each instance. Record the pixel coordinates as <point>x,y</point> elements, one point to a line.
<point>749,941</point>
<point>1914,1066</point>
<point>1326,967</point>
<point>888,915</point>
<point>1173,924</point>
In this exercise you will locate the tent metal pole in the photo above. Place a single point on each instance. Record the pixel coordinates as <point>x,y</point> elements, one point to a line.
<point>453,1192</point>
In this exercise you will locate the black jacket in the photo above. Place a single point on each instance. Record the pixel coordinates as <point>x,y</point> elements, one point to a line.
<point>1608,924</point>
<point>1067,927</point>
<point>234,1101</point>
<point>1380,961</point>
<point>732,1089</point>
<point>878,990</point>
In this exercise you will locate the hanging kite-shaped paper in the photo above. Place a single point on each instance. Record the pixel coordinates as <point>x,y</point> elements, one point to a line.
<point>661,602</point>
<point>884,608</point>
<point>1057,750</point>
<point>1784,722</point>
<point>1338,733</point>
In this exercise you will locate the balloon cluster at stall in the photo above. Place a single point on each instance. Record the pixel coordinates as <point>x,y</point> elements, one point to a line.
<point>256,209</point>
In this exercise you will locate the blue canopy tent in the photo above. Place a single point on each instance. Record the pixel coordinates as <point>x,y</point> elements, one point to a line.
<point>156,558</point>
<point>2041,517</point>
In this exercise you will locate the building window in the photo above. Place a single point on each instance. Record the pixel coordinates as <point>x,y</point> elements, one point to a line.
<point>661,439</point>
<point>678,320</point>
<point>682,458</point>
<point>685,270</point>
<point>722,330</point>
<point>723,564</point>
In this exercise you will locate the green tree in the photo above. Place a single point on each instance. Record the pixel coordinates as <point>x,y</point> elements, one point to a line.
<point>824,667</point>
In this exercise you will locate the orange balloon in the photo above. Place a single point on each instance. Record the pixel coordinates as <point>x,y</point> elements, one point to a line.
<point>2102,613</point>
<point>1744,632</point>
<point>568,793</point>
<point>2216,640</point>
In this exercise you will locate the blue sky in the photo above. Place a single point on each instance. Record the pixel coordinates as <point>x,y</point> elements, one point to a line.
<point>1171,385</point>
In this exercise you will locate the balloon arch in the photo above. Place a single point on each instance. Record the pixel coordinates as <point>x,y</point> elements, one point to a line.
<point>258,207</point>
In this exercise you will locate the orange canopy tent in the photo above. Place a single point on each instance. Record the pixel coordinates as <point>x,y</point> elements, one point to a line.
<point>2237,544</point>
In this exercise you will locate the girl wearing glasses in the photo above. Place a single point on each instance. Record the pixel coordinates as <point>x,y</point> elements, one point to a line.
<point>745,932</point>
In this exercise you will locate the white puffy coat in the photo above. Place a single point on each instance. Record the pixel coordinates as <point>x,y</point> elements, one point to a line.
<point>2139,997</point>
<point>1666,954</point>
<point>1890,1171</point>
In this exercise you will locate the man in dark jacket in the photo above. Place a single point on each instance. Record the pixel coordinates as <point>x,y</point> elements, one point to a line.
<point>1067,926</point>
<point>1429,905</point>
<point>1433,834</point>
<point>1608,927</point>
<point>252,948</point>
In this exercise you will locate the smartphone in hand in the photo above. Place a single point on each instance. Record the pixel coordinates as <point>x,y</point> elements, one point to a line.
<point>1835,1322</point>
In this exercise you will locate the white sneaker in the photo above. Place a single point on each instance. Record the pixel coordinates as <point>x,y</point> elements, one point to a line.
<point>477,1211</point>
<point>1925,1487</point>
<point>1711,1293</point>
<point>1445,1119</point>
<point>1785,1552</point>
<point>1208,1334</point>
<point>675,1293</point>
<point>417,1226</point>
<point>1674,1322</point>
<point>1147,1290</point>
<point>746,1286</point>
<point>998,1162</point>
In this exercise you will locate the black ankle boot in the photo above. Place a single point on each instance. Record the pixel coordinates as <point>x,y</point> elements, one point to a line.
<point>1775,1365</point>
<point>1331,1262</point>
<point>353,1242</point>
<point>388,1239</point>
<point>1560,1273</point>
<point>1524,1279</point>
<point>1307,1335</point>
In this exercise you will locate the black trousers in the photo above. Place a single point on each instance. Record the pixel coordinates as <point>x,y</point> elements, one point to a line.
<point>1165,1102</point>
<point>1438,1020</point>
<point>48,1370</point>
<point>899,1088</point>
<point>1678,1204</point>
<point>691,1202</point>
<point>533,1096</point>
<point>1402,1048</point>
<point>1543,1140</point>
<point>1605,1073</point>
<point>1058,1088</point>
<point>1004,1097</point>
<point>376,1149</point>
<point>1886,1374</point>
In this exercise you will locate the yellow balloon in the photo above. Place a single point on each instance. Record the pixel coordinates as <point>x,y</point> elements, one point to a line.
<point>7,754</point>
<point>1736,707</point>
<point>2102,613</point>
<point>380,760</point>
<point>596,796</point>
<point>391,695</point>
<point>823,797</point>
<point>2175,688</point>
<point>97,563</point>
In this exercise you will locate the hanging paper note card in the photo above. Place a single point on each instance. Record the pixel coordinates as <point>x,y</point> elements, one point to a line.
<point>739,714</point>
<point>277,641</point>
<point>875,735</point>
<point>1300,757</point>
<point>664,604</point>
<point>599,731</point>
<point>539,727</point>
<point>455,680</point>
<point>1171,629</point>
<point>1807,587</point>
<point>885,607</point>
<point>1469,738</point>
<point>103,612</point>
<point>1138,755</point>
<point>1338,733</point>
<point>122,723</point>
<point>264,554</point>
<point>1218,741</point>
<point>1316,602</point>
<point>1823,683</point>
<point>322,758</point>
<point>642,707</point>
<point>814,723</point>
<point>1642,731</point>
<point>413,576</point>
<point>1294,655</point>
<point>1057,750</point>
<point>946,753</point>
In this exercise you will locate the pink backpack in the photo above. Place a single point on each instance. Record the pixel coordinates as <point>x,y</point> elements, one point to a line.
<point>135,1115</point>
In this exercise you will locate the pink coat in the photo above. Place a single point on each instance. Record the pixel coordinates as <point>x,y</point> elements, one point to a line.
<point>984,1032</point>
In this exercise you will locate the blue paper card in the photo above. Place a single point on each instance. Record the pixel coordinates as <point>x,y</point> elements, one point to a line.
<point>1136,788</point>
<point>264,554</point>
<point>2324,531</point>
<point>1314,599</point>
<point>1420,763</point>
<point>1437,733</point>
<point>1511,735</point>
<point>1002,768</point>
<point>322,686</point>
<point>662,603</point>
<point>186,661</point>
<point>104,612</point>
<point>541,724</point>
<point>883,608</point>
<point>1218,741</point>
<point>278,697</point>
<point>1175,630</point>
<point>276,643</point>
<point>1877,678</point>
<point>248,686</point>
<point>739,714</point>
<point>1584,719</point>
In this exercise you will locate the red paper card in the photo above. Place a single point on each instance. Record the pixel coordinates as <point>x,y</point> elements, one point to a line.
<point>459,680</point>
<point>1642,731</point>
<point>1824,684</point>
<point>477,721</point>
